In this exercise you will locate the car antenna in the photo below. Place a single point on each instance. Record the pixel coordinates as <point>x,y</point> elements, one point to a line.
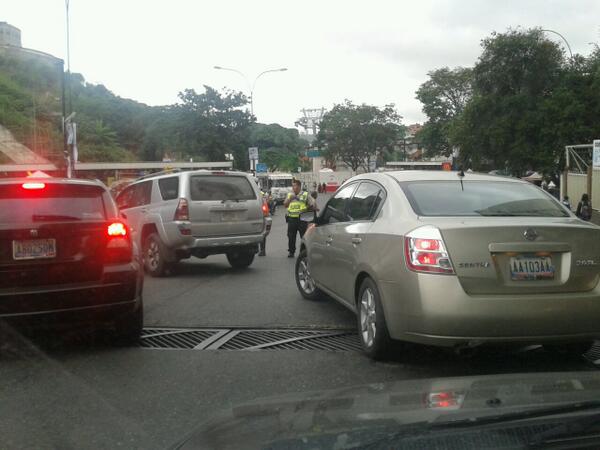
<point>461,175</point>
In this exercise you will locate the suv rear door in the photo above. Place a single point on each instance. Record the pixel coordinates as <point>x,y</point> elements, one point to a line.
<point>52,235</point>
<point>224,205</point>
<point>132,201</point>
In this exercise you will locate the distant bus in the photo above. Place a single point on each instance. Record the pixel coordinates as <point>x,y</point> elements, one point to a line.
<point>279,183</point>
<point>418,165</point>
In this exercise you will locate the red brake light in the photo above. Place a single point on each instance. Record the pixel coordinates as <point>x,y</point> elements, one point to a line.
<point>118,245</point>
<point>33,185</point>
<point>183,211</point>
<point>265,209</point>
<point>427,244</point>
<point>425,251</point>
<point>117,229</point>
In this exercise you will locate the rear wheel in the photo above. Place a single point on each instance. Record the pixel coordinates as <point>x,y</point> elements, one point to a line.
<point>304,281</point>
<point>154,256</point>
<point>128,329</point>
<point>240,259</point>
<point>372,326</point>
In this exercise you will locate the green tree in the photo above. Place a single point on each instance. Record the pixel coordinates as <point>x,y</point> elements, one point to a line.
<point>355,134</point>
<point>444,96</point>
<point>280,148</point>
<point>505,124</point>
<point>212,124</point>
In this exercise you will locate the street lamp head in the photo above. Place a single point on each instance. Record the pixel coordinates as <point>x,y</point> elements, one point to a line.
<point>283,69</point>
<point>217,67</point>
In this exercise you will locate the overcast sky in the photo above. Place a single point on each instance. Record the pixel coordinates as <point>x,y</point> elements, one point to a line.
<point>370,51</point>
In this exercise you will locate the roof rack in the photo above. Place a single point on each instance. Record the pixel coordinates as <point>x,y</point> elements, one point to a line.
<point>162,172</point>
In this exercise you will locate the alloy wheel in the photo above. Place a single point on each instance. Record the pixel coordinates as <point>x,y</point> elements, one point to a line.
<point>368,317</point>
<point>304,278</point>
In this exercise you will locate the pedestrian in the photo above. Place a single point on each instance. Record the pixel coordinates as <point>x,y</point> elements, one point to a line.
<point>567,202</point>
<point>584,208</point>
<point>262,246</point>
<point>324,188</point>
<point>297,202</point>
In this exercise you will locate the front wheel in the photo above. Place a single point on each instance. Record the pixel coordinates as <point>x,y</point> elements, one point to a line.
<point>372,326</point>
<point>304,281</point>
<point>240,259</point>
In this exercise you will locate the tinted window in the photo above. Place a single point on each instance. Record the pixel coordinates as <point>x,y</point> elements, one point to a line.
<point>125,198</point>
<point>169,188</point>
<point>282,183</point>
<point>335,211</point>
<point>365,202</point>
<point>480,198</point>
<point>55,202</point>
<point>143,192</point>
<point>221,187</point>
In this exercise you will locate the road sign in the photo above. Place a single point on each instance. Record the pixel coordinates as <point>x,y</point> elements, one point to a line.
<point>252,153</point>
<point>596,154</point>
<point>261,168</point>
<point>313,153</point>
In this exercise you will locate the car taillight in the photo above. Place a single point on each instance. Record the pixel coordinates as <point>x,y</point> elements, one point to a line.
<point>32,185</point>
<point>118,245</point>
<point>183,211</point>
<point>425,251</point>
<point>265,209</point>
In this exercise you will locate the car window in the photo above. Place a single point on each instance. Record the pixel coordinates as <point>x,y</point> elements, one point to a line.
<point>335,211</point>
<point>54,202</point>
<point>220,187</point>
<point>142,193</point>
<point>169,188</point>
<point>480,198</point>
<point>365,202</point>
<point>124,199</point>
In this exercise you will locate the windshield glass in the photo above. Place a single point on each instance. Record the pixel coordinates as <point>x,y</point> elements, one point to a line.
<point>52,203</point>
<point>220,187</point>
<point>287,182</point>
<point>480,198</point>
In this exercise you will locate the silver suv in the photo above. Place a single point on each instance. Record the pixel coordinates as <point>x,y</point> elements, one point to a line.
<point>197,213</point>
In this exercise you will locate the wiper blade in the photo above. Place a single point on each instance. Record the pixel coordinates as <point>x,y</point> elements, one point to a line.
<point>518,415</point>
<point>47,217</point>
<point>572,428</point>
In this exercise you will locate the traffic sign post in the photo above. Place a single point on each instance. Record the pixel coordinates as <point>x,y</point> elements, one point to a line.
<point>261,168</point>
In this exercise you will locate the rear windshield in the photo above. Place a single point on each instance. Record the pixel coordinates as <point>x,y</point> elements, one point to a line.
<point>220,187</point>
<point>480,198</point>
<point>55,202</point>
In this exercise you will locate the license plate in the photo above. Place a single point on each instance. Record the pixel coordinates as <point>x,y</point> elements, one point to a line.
<point>230,216</point>
<point>34,249</point>
<point>525,268</point>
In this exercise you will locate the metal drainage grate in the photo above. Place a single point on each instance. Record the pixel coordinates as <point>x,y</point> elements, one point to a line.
<point>250,339</point>
<point>593,354</point>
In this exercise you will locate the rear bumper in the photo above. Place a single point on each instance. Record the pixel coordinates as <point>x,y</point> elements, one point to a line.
<point>435,310</point>
<point>117,294</point>
<point>191,242</point>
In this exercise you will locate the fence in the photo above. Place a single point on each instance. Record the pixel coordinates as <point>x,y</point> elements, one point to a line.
<point>579,176</point>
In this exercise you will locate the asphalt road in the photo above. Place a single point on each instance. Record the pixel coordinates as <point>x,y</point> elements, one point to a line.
<point>56,394</point>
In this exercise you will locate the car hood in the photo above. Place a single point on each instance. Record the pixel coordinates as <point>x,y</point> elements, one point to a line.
<point>296,418</point>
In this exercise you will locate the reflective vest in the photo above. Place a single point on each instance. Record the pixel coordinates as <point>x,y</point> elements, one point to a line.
<point>297,207</point>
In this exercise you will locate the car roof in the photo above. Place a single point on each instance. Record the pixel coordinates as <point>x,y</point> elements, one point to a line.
<point>161,175</point>
<point>436,175</point>
<point>53,180</point>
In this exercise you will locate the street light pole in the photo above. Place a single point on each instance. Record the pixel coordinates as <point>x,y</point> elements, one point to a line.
<point>563,38</point>
<point>253,85</point>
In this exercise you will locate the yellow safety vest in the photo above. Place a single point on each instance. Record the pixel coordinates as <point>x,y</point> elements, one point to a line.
<point>298,207</point>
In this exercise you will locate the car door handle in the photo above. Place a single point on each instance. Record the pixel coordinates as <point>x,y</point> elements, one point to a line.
<point>356,240</point>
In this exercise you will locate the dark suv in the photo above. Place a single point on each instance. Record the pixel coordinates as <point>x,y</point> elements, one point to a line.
<point>67,259</point>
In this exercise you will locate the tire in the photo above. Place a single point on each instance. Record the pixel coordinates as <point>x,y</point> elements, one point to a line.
<point>155,252</point>
<point>304,280</point>
<point>570,348</point>
<point>372,327</point>
<point>240,259</point>
<point>128,329</point>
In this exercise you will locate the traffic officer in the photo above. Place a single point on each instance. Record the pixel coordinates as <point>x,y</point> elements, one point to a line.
<point>297,202</point>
